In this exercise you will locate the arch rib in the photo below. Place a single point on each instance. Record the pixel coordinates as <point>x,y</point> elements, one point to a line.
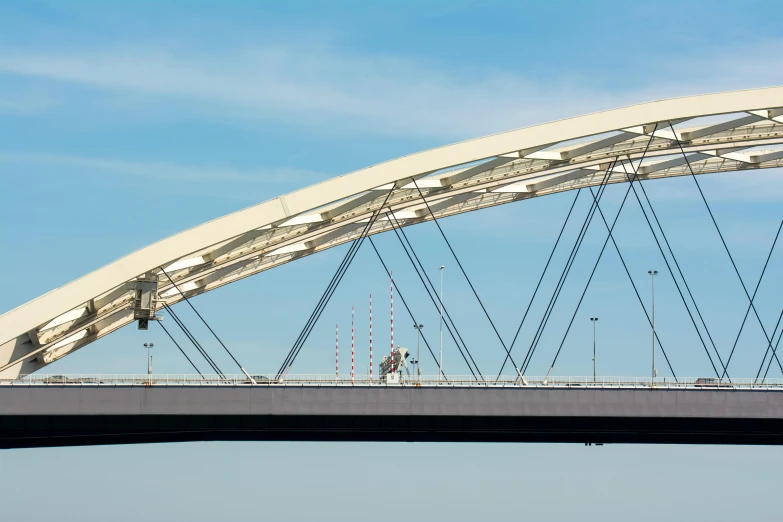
<point>479,173</point>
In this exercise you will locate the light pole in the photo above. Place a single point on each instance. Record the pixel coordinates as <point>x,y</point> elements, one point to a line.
<point>594,320</point>
<point>149,357</point>
<point>653,273</point>
<point>418,328</point>
<point>440,358</point>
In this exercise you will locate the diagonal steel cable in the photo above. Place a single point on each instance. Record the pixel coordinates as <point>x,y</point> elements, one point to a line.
<point>405,303</point>
<point>682,276</point>
<point>773,350</point>
<point>595,266</point>
<point>462,269</point>
<point>674,278</point>
<point>566,271</point>
<point>207,325</point>
<point>753,297</point>
<point>180,349</point>
<point>447,315</point>
<point>330,289</point>
<point>193,340</point>
<point>538,285</point>
<point>725,246</point>
<point>636,290</point>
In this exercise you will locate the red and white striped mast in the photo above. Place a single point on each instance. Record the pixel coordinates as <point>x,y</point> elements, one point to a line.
<point>370,338</point>
<point>391,319</point>
<point>336,353</point>
<point>352,346</point>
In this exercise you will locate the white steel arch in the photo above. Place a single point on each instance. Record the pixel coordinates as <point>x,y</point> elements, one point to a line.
<point>741,130</point>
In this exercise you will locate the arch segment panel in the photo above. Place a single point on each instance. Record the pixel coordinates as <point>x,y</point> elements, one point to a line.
<point>725,132</point>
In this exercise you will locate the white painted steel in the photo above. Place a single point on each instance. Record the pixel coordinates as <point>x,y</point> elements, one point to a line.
<point>493,170</point>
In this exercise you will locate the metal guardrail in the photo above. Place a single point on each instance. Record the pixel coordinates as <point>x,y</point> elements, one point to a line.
<point>424,381</point>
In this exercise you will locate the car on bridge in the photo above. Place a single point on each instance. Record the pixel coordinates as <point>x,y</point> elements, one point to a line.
<point>262,379</point>
<point>58,379</point>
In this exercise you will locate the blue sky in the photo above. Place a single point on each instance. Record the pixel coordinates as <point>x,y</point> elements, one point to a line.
<point>123,123</point>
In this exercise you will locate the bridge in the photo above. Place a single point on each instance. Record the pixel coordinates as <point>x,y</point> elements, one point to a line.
<point>690,136</point>
<point>55,411</point>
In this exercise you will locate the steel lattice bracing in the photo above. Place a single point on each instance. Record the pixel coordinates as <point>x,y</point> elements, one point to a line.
<point>735,131</point>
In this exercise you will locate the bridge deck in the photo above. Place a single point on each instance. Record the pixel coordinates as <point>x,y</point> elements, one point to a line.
<point>86,414</point>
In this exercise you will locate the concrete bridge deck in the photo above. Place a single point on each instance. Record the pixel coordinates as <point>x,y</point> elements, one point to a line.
<point>91,414</point>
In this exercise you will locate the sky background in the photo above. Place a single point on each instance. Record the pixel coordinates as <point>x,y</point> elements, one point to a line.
<point>123,123</point>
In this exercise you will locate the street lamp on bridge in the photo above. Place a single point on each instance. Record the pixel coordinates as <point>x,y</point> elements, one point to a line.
<point>594,320</point>
<point>653,273</point>
<point>418,328</point>
<point>440,298</point>
<point>149,357</point>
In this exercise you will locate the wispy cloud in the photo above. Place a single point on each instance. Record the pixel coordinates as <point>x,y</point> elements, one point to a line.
<point>322,88</point>
<point>163,169</point>
<point>326,88</point>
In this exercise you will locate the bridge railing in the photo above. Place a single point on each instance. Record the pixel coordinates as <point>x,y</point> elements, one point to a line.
<point>425,381</point>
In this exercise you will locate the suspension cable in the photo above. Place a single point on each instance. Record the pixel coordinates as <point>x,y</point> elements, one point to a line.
<point>330,289</point>
<point>435,220</point>
<point>773,350</point>
<point>588,220</point>
<point>321,302</point>
<point>682,276</point>
<point>540,279</point>
<point>747,312</point>
<point>725,246</point>
<point>402,298</point>
<point>193,340</point>
<point>327,294</point>
<point>207,325</point>
<point>636,291</point>
<point>180,349</point>
<point>566,270</point>
<point>676,283</point>
<point>774,332</point>
<point>600,254</point>
<point>447,316</point>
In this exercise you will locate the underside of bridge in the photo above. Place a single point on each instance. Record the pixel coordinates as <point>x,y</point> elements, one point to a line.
<point>74,430</point>
<point>736,131</point>
<point>41,416</point>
